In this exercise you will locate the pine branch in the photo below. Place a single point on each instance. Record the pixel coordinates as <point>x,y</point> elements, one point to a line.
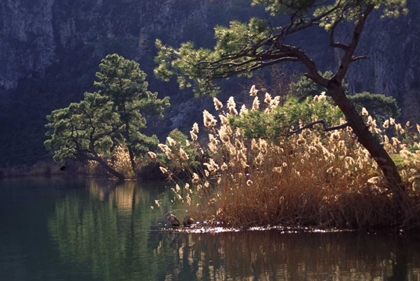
<point>324,125</point>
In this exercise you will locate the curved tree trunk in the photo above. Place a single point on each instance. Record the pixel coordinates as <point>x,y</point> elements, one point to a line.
<point>334,86</point>
<point>367,139</point>
<point>129,148</point>
<point>108,168</point>
<point>132,161</point>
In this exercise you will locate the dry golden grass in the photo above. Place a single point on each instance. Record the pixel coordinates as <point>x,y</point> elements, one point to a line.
<point>121,163</point>
<point>312,178</point>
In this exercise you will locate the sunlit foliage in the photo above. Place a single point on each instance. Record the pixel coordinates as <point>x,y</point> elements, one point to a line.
<point>243,47</point>
<point>312,176</point>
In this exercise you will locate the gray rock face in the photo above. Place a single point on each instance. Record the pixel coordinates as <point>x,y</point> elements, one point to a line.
<point>392,67</point>
<point>36,33</point>
<point>27,39</point>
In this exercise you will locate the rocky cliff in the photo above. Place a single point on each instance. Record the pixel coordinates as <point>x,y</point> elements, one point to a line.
<point>50,50</point>
<point>36,34</point>
<point>392,67</point>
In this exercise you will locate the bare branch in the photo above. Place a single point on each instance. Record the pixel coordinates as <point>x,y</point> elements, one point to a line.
<point>296,27</point>
<point>324,125</point>
<point>331,37</point>
<point>347,58</point>
<point>257,65</point>
<point>309,64</point>
<point>353,59</point>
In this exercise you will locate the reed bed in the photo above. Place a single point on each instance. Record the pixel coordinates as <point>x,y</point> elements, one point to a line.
<point>311,178</point>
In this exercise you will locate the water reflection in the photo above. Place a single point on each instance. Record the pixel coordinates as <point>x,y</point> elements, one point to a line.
<point>108,229</point>
<point>113,231</point>
<point>271,255</point>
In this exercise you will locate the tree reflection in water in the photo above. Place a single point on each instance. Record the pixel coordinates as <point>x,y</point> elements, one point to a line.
<point>113,230</point>
<point>107,228</point>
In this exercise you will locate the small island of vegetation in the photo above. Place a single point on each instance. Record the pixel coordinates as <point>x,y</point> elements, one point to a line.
<point>299,164</point>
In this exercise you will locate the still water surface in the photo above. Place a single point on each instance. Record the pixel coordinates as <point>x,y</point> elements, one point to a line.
<point>70,229</point>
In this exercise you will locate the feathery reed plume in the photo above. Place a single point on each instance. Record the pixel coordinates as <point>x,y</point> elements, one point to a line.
<point>195,128</point>
<point>170,141</point>
<point>386,124</point>
<point>254,145</point>
<point>391,121</point>
<point>224,135</point>
<point>277,169</point>
<point>195,178</point>
<point>211,166</point>
<point>259,159</point>
<point>243,110</point>
<point>231,102</point>
<point>209,120</point>
<point>151,154</point>
<point>301,140</point>
<point>267,98</point>
<point>238,144</point>
<point>223,120</point>
<point>253,91</point>
<point>256,104</point>
<point>224,166</point>
<point>193,136</point>
<point>364,112</point>
<point>217,104</point>
<point>263,146</point>
<point>184,156</point>
<point>399,128</point>
<point>233,111</point>
<point>275,102</point>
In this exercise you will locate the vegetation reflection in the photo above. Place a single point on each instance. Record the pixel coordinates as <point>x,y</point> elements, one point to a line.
<point>271,255</point>
<point>108,229</point>
<point>114,231</point>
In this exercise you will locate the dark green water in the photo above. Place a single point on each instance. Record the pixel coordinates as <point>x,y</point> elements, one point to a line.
<point>68,229</point>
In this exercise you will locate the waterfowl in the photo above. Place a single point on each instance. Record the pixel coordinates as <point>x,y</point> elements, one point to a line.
<point>172,220</point>
<point>188,221</point>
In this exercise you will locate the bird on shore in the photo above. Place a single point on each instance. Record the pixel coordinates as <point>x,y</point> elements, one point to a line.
<point>188,221</point>
<point>172,220</point>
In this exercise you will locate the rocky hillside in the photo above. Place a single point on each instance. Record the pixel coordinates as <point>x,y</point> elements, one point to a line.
<point>50,50</point>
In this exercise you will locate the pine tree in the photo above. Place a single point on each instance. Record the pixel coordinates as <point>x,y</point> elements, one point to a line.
<point>112,116</point>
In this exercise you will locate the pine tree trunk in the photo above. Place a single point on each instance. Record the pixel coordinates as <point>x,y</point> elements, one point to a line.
<point>109,169</point>
<point>132,161</point>
<point>367,139</point>
<point>129,148</point>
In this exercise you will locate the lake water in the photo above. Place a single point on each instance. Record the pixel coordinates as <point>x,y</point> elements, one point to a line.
<point>79,229</point>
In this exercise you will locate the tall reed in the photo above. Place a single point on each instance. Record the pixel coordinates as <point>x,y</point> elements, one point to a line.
<point>309,178</point>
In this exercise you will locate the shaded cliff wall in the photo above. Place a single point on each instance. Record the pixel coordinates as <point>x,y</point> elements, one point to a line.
<point>50,51</point>
<point>35,34</point>
<point>392,68</point>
